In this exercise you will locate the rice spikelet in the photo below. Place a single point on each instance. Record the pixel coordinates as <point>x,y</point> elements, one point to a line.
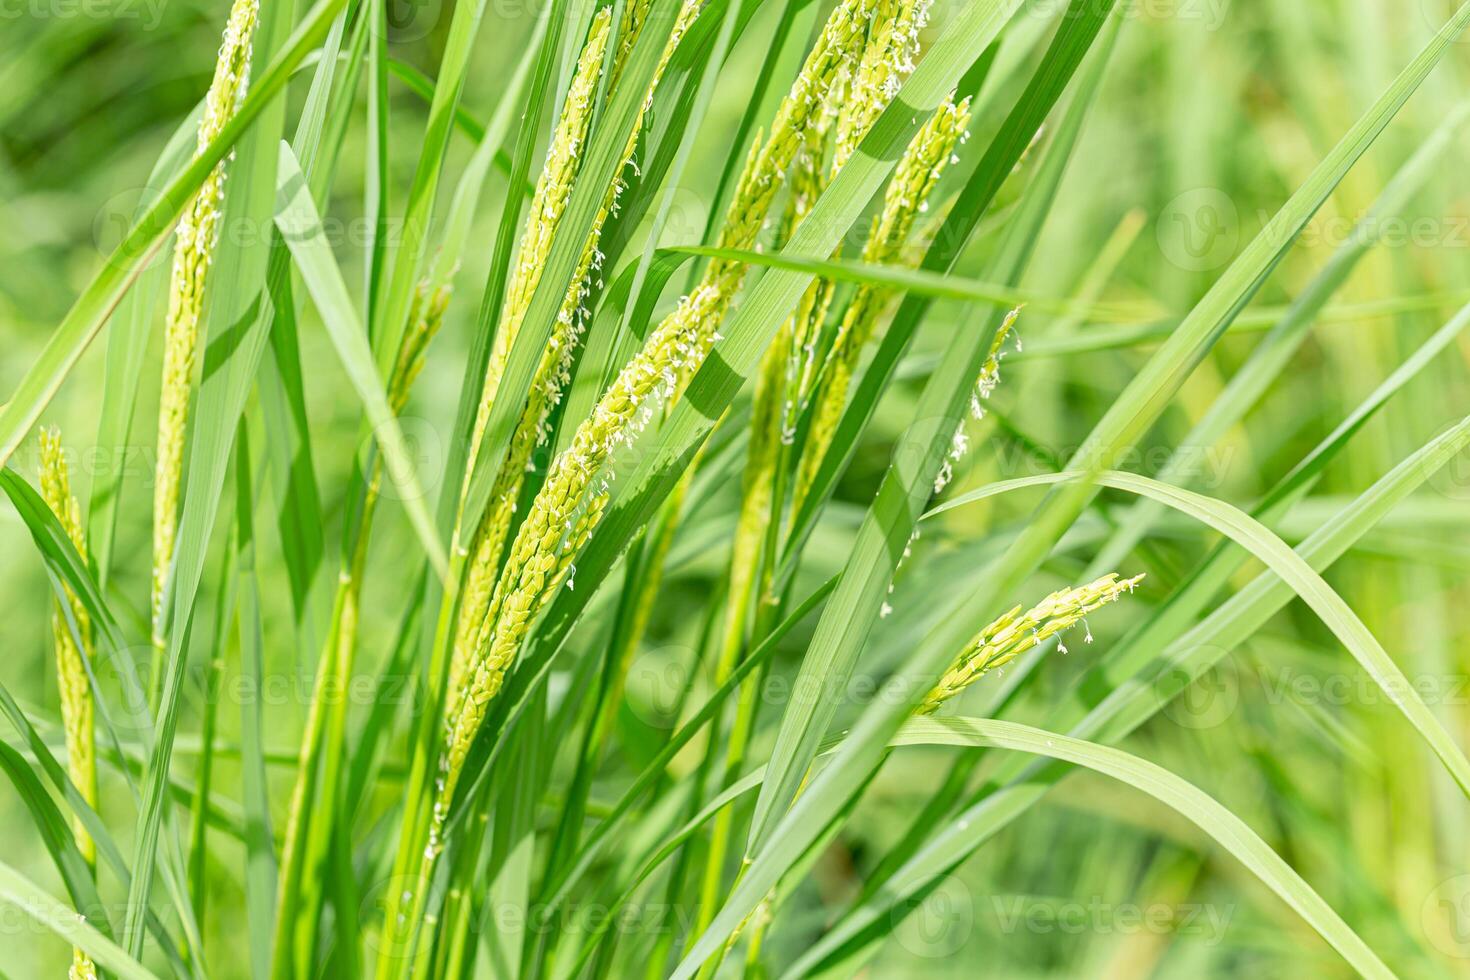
<point>907,196</point>
<point>553,189</point>
<point>77,711</point>
<point>425,317</point>
<point>1016,632</point>
<point>886,58</point>
<point>553,529</point>
<point>552,376</point>
<point>196,236</point>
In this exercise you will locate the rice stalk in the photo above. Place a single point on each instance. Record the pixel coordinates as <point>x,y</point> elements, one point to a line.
<point>310,821</point>
<point>77,710</point>
<point>776,390</point>
<point>194,244</point>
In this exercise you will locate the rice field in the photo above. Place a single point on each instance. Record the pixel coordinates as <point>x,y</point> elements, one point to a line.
<point>734,488</point>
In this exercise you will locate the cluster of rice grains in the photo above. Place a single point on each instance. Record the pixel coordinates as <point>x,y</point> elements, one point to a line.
<point>570,502</point>
<point>1016,632</point>
<point>194,244</point>
<point>71,631</point>
<point>512,564</point>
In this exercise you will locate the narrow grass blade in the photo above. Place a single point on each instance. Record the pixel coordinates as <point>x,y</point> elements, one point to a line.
<point>1200,809</point>
<point>1259,540</point>
<point>920,282</point>
<point>101,296</point>
<point>301,229</point>
<point>281,387</point>
<point>260,851</point>
<point>1224,827</point>
<point>466,198</point>
<point>21,892</point>
<point>1132,702</point>
<point>126,347</point>
<point>423,86</point>
<point>1271,357</point>
<point>57,838</point>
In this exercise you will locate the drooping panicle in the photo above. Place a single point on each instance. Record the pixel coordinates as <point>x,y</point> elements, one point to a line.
<point>567,507</point>
<point>1016,632</point>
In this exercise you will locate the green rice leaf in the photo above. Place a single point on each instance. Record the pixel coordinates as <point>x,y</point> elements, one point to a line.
<point>101,296</point>
<point>1133,700</point>
<point>301,229</point>
<point>1264,545</point>
<point>25,895</point>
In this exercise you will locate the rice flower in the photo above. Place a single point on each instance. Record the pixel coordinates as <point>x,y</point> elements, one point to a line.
<point>553,526</point>
<point>77,711</point>
<point>552,376</point>
<point>907,195</point>
<point>196,236</point>
<point>858,99</point>
<point>1016,632</point>
<point>629,28</point>
<point>553,189</point>
<point>887,58</point>
<point>985,386</point>
<point>425,317</point>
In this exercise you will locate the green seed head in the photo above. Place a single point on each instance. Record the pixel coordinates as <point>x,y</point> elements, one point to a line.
<point>553,189</point>
<point>907,196</point>
<point>552,376</point>
<point>566,509</point>
<point>194,245</point>
<point>77,710</point>
<point>1016,632</point>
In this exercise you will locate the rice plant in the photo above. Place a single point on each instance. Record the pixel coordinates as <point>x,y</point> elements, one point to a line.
<point>723,488</point>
